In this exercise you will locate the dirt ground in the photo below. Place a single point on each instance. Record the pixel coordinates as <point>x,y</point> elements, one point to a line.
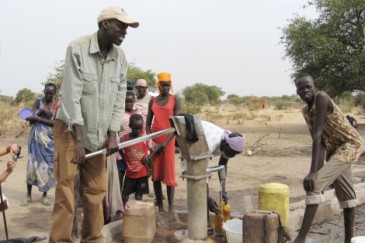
<point>281,148</point>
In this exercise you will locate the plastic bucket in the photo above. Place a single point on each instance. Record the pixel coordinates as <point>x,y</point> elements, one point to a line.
<point>358,239</point>
<point>233,228</point>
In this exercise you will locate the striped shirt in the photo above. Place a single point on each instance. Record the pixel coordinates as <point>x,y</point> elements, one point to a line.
<point>125,126</point>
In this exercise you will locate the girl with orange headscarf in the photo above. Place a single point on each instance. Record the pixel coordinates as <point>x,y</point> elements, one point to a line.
<point>160,108</point>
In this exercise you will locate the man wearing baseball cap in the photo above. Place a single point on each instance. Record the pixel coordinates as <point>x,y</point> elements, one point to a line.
<point>92,98</point>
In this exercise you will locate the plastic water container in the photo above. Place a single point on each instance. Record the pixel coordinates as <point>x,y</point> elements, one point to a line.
<point>139,222</point>
<point>258,225</point>
<point>275,197</point>
<point>223,215</point>
<point>233,228</point>
<point>358,239</point>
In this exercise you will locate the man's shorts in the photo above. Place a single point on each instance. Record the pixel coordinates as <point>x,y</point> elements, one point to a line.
<point>135,185</point>
<point>340,174</point>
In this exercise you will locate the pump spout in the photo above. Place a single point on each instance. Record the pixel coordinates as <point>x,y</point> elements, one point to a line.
<point>220,169</point>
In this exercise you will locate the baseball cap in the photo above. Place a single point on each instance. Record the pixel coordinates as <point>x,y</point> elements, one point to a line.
<point>113,12</point>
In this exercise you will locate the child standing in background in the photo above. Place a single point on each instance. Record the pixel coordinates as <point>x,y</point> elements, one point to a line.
<point>130,100</point>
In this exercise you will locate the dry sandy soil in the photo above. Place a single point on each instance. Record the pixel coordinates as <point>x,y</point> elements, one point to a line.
<point>283,155</point>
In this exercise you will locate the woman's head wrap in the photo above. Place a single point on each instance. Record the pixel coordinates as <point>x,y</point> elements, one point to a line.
<point>164,77</point>
<point>236,143</point>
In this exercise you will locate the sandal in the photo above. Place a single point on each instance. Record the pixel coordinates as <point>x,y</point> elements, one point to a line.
<point>46,202</point>
<point>26,202</point>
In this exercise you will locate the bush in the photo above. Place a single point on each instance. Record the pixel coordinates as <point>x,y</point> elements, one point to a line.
<point>200,94</point>
<point>187,107</point>
<point>232,96</point>
<point>255,107</point>
<point>359,100</point>
<point>6,99</point>
<point>236,101</point>
<point>280,105</point>
<point>25,95</point>
<point>213,117</point>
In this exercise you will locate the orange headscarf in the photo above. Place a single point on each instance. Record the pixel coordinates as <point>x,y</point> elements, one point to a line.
<point>164,76</point>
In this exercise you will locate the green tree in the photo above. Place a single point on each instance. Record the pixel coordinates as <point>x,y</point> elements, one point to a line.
<point>347,96</point>
<point>285,97</point>
<point>195,95</point>
<point>235,99</point>
<point>6,99</point>
<point>56,76</point>
<point>359,100</point>
<point>134,73</point>
<point>25,94</point>
<point>330,47</point>
<point>200,94</point>
<point>232,96</point>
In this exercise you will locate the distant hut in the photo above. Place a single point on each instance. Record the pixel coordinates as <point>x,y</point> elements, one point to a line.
<point>258,102</point>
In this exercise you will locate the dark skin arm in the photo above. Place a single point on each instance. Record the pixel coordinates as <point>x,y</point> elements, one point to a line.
<point>324,108</point>
<point>321,155</point>
<point>121,152</point>
<point>79,149</point>
<point>149,118</point>
<point>111,145</point>
<point>44,110</point>
<point>144,160</point>
<point>171,135</point>
<point>212,204</point>
<point>223,161</point>
<point>35,106</point>
<point>321,158</point>
<point>33,119</point>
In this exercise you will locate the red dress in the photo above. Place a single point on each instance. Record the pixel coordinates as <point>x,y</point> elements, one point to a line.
<point>163,164</point>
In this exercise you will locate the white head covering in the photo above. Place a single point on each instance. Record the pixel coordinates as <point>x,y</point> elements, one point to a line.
<point>141,82</point>
<point>237,143</point>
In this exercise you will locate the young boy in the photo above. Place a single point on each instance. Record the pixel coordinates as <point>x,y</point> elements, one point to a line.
<point>136,157</point>
<point>129,110</point>
<point>333,134</point>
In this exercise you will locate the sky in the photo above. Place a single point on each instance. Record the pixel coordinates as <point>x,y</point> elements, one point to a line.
<point>233,44</point>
